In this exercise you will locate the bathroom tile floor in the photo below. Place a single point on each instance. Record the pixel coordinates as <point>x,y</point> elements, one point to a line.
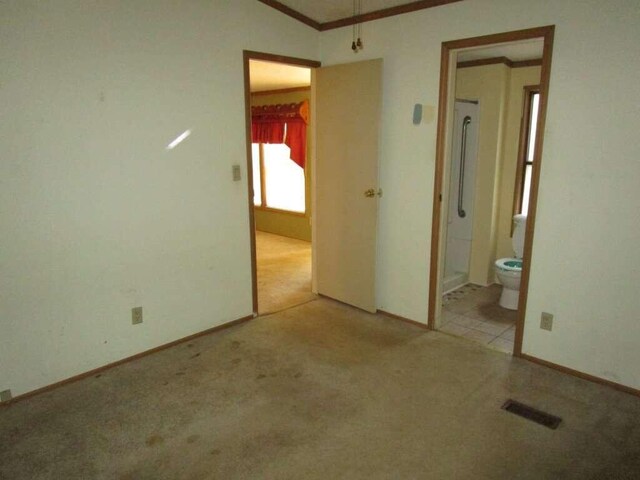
<point>472,312</point>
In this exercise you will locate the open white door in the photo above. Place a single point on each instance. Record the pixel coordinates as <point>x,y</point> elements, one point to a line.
<point>348,107</point>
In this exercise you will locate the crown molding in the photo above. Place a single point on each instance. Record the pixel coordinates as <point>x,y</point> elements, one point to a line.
<point>365,17</point>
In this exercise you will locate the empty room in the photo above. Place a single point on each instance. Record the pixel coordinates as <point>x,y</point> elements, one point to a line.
<point>447,203</point>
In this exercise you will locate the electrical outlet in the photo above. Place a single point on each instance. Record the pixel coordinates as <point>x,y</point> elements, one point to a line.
<point>5,396</point>
<point>136,315</point>
<point>546,321</point>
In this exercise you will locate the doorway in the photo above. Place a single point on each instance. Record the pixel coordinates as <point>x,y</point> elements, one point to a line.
<point>491,226</point>
<point>344,184</point>
<point>277,94</point>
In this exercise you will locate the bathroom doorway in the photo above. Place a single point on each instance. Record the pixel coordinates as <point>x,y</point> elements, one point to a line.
<point>490,74</point>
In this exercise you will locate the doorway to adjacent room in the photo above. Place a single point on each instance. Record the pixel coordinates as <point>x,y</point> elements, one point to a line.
<point>488,189</point>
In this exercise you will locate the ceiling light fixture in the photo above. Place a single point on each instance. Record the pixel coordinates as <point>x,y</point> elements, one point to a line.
<point>356,43</point>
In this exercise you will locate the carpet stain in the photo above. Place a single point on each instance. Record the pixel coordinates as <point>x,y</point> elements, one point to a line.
<point>236,361</point>
<point>290,425</point>
<point>193,438</point>
<point>196,355</point>
<point>154,440</point>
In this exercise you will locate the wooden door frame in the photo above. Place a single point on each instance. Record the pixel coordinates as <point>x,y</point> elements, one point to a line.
<point>248,55</point>
<point>547,34</point>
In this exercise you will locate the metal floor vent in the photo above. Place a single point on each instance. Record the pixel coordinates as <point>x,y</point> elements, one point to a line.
<point>533,414</point>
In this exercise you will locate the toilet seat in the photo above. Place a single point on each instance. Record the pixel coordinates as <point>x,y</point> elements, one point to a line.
<point>509,264</point>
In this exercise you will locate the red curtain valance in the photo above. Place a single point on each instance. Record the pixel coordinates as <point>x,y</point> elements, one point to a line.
<point>283,123</point>
<point>267,131</point>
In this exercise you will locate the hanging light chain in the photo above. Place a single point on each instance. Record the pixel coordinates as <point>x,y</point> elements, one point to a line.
<point>356,40</point>
<point>354,47</point>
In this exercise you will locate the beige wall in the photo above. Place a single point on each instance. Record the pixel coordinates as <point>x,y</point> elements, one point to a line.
<point>520,77</point>
<point>585,261</point>
<point>284,223</point>
<point>500,92</point>
<point>489,85</point>
<point>97,215</point>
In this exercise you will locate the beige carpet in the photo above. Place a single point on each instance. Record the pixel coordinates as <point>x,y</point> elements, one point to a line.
<point>322,391</point>
<point>284,272</point>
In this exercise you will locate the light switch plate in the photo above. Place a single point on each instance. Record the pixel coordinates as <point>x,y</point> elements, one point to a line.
<point>237,173</point>
<point>136,315</point>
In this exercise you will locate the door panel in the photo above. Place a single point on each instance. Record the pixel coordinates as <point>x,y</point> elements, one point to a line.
<point>348,106</point>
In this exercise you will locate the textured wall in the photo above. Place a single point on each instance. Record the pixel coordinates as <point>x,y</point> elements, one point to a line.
<point>97,216</point>
<point>585,254</point>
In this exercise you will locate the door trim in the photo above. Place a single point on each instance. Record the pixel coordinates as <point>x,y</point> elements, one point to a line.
<point>547,34</point>
<point>269,57</point>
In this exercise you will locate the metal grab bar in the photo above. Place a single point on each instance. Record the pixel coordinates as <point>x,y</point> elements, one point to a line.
<point>463,159</point>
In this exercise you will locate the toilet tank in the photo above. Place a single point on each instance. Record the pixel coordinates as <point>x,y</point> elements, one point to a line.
<point>520,223</point>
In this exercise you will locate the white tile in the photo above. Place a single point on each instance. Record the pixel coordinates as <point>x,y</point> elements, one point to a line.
<point>478,336</point>
<point>502,345</point>
<point>494,328</point>
<point>459,306</point>
<point>462,320</point>
<point>509,334</point>
<point>453,329</point>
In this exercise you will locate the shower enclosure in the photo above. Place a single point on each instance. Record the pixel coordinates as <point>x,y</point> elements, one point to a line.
<point>461,190</point>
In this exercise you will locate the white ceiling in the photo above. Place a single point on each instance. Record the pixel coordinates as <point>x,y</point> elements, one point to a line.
<point>275,76</point>
<point>525,50</point>
<point>328,10</point>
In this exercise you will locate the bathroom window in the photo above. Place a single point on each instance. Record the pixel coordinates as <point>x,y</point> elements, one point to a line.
<point>527,149</point>
<point>278,182</point>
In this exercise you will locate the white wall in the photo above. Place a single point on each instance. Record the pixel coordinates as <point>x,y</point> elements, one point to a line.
<point>585,256</point>
<point>97,217</point>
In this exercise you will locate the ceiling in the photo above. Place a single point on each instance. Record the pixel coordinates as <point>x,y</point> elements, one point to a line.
<point>327,14</point>
<point>516,52</point>
<point>330,10</point>
<point>266,76</point>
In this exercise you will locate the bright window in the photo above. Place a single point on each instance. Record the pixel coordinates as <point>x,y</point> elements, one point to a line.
<point>257,185</point>
<point>527,148</point>
<point>278,182</point>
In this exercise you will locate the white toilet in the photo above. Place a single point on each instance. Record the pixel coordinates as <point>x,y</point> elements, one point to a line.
<point>509,270</point>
